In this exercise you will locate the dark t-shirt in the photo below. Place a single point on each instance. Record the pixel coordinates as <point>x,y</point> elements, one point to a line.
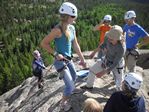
<point>119,102</point>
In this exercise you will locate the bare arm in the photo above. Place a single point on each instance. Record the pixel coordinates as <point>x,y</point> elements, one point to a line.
<point>95,51</point>
<point>45,43</point>
<point>100,47</point>
<point>78,51</point>
<point>144,42</point>
<point>97,26</point>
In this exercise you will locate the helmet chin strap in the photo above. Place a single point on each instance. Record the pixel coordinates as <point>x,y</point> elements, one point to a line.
<point>74,22</point>
<point>130,92</point>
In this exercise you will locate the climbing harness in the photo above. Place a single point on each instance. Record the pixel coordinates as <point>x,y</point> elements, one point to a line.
<point>133,52</point>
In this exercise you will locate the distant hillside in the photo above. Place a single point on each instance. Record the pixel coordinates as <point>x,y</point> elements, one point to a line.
<point>141,1</point>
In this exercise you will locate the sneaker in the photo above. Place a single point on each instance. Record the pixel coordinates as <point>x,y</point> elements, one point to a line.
<point>42,80</point>
<point>40,86</point>
<point>65,106</point>
<point>76,91</point>
<point>85,87</point>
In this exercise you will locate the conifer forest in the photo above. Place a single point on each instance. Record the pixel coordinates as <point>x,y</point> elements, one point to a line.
<point>24,23</point>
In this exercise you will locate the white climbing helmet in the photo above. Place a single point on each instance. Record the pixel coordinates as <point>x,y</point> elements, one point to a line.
<point>129,14</point>
<point>134,80</point>
<point>68,8</point>
<point>36,54</point>
<point>107,18</point>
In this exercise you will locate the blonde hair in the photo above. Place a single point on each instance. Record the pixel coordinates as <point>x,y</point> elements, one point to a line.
<point>64,18</point>
<point>91,105</point>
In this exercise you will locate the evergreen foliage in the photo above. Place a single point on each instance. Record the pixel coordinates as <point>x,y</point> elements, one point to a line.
<point>24,23</point>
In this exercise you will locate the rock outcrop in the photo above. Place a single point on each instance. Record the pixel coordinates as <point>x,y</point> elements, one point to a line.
<point>27,98</point>
<point>143,60</point>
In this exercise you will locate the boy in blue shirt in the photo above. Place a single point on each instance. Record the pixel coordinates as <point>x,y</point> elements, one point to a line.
<point>133,33</point>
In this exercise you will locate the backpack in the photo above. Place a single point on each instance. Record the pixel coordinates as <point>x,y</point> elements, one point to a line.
<point>37,67</point>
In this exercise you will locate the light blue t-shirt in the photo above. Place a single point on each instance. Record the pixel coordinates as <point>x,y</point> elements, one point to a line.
<point>133,34</point>
<point>63,44</point>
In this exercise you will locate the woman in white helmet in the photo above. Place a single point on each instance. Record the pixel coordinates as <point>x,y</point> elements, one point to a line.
<point>127,100</point>
<point>133,34</point>
<point>64,36</point>
<point>102,27</point>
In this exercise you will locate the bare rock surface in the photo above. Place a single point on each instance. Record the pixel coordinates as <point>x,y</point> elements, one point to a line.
<point>143,60</point>
<point>27,98</point>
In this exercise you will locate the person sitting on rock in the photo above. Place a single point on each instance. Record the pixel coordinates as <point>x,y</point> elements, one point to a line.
<point>114,47</point>
<point>127,100</point>
<point>91,105</point>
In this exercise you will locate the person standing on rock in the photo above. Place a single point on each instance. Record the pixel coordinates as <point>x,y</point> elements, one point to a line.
<point>114,47</point>
<point>38,66</point>
<point>127,100</point>
<point>64,36</point>
<point>102,27</point>
<point>133,33</point>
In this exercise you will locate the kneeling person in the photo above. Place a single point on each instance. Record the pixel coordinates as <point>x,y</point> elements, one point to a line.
<point>114,48</point>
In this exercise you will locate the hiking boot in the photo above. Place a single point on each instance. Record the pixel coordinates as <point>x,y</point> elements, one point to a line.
<point>85,87</point>
<point>66,106</point>
<point>42,81</point>
<point>40,86</point>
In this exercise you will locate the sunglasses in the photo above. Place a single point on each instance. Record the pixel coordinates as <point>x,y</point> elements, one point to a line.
<point>72,16</point>
<point>107,21</point>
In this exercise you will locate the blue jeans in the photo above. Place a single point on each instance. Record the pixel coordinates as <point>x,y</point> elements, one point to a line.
<point>69,75</point>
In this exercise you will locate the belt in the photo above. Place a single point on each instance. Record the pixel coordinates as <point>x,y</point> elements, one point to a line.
<point>129,49</point>
<point>66,63</point>
<point>68,57</point>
